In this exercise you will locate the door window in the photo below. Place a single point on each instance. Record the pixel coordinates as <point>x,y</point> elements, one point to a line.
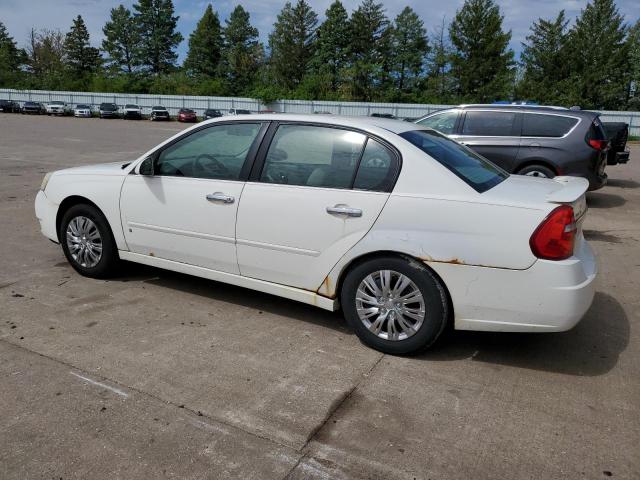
<point>313,156</point>
<point>443,122</point>
<point>216,152</point>
<point>377,168</point>
<point>489,124</point>
<point>539,125</point>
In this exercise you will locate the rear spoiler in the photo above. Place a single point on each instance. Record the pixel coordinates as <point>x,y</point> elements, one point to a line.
<point>574,188</point>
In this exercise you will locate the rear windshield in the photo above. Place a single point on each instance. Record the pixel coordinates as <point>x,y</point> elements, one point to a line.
<point>596,131</point>
<point>541,125</point>
<point>475,170</point>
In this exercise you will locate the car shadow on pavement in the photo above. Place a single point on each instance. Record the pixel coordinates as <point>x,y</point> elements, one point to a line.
<point>591,348</point>
<point>224,292</point>
<point>621,183</point>
<point>604,200</point>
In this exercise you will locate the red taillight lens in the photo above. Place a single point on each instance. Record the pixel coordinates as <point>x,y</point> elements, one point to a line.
<point>599,144</point>
<point>554,238</point>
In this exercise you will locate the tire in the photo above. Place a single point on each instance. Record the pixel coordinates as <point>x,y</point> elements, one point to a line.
<point>537,171</point>
<point>421,334</point>
<point>108,260</point>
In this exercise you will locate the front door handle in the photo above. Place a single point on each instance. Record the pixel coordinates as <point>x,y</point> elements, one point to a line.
<point>220,197</point>
<point>344,210</point>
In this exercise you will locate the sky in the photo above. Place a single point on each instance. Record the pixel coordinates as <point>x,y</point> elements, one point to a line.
<point>19,16</point>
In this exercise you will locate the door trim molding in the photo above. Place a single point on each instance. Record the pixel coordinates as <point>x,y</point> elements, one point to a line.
<point>280,248</point>
<point>184,233</point>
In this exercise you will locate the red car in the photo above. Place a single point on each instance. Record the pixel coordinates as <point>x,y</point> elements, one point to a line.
<point>187,115</point>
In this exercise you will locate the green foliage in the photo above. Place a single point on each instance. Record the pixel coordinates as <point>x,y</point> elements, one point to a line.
<point>45,60</point>
<point>292,43</point>
<point>438,84</point>
<point>80,57</point>
<point>205,46</point>
<point>158,36</point>
<point>410,47</point>
<point>122,40</point>
<point>633,40</point>
<point>482,62</point>
<point>331,52</point>
<point>11,59</point>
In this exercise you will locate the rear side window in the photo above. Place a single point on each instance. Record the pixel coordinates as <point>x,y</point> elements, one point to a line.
<point>540,125</point>
<point>489,124</point>
<point>475,170</point>
<point>377,168</point>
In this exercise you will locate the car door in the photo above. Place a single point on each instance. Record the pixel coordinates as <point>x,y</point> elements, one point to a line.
<point>494,134</point>
<point>186,210</point>
<point>314,193</point>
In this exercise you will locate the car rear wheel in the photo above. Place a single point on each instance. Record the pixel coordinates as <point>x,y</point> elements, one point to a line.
<point>394,305</point>
<point>537,171</point>
<point>87,242</point>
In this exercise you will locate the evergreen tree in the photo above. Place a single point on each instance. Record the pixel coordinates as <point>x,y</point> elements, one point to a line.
<point>482,62</point>
<point>205,45</point>
<point>438,85</point>
<point>545,62</point>
<point>45,58</point>
<point>369,49</point>
<point>241,52</point>
<point>634,61</point>
<point>409,49</point>
<point>599,57</point>
<point>81,58</point>
<point>158,37</point>
<point>11,59</point>
<point>122,40</point>
<point>291,43</point>
<point>332,43</point>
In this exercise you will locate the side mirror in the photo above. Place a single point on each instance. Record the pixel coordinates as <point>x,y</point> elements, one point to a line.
<point>146,167</point>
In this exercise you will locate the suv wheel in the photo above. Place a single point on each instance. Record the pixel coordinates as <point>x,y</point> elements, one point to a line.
<point>87,242</point>
<point>394,305</point>
<point>537,171</point>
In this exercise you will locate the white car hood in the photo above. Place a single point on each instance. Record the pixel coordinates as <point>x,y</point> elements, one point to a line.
<point>115,168</point>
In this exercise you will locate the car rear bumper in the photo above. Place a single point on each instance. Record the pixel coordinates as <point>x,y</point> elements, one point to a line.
<point>46,212</point>
<point>550,296</point>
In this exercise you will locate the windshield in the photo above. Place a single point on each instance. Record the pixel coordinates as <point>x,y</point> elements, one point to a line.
<point>82,106</point>
<point>131,105</point>
<point>475,170</point>
<point>159,108</point>
<point>108,106</point>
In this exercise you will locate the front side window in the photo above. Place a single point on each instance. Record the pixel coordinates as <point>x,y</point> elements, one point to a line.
<point>216,152</point>
<point>540,125</point>
<point>313,156</point>
<point>444,122</point>
<point>489,124</point>
<point>475,170</point>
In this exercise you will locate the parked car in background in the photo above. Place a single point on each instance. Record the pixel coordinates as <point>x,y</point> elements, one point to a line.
<point>108,110</point>
<point>82,110</point>
<point>159,113</point>
<point>617,134</point>
<point>239,111</point>
<point>33,108</point>
<point>529,140</point>
<point>187,115</point>
<point>58,108</point>
<point>212,113</point>
<point>383,115</point>
<point>132,111</point>
<point>402,228</point>
<point>9,106</point>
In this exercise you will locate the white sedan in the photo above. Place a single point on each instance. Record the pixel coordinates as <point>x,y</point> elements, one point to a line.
<point>401,227</point>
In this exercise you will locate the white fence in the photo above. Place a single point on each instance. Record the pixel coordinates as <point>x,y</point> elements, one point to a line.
<point>175,102</point>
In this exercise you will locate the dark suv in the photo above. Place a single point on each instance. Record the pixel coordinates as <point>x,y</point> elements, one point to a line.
<point>529,140</point>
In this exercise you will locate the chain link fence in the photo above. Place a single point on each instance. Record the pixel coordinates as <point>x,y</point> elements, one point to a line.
<point>173,103</point>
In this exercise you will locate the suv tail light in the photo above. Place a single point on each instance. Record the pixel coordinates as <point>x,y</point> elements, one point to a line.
<point>598,144</point>
<point>554,238</point>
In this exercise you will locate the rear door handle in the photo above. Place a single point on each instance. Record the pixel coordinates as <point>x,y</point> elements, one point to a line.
<point>344,210</point>
<point>220,197</point>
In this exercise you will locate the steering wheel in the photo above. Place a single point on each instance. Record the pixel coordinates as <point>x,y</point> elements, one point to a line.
<point>215,167</point>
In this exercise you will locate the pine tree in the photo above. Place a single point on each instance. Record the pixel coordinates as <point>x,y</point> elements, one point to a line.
<point>122,40</point>
<point>241,52</point>
<point>439,82</point>
<point>482,62</point>
<point>205,45</point>
<point>369,49</point>
<point>291,43</point>
<point>81,58</point>
<point>332,43</point>
<point>11,58</point>
<point>158,37</point>
<point>599,57</point>
<point>409,49</point>
<point>633,40</point>
<point>545,62</point>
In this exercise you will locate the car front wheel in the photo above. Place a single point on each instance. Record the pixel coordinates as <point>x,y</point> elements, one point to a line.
<point>395,305</point>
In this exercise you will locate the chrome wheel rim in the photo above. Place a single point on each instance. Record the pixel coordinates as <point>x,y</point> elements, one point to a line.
<point>536,173</point>
<point>390,305</point>
<point>84,241</point>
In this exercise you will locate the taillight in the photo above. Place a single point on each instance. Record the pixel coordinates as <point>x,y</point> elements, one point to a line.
<point>598,144</point>
<point>554,237</point>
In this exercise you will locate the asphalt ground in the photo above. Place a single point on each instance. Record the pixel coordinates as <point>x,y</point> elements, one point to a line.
<point>159,375</point>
